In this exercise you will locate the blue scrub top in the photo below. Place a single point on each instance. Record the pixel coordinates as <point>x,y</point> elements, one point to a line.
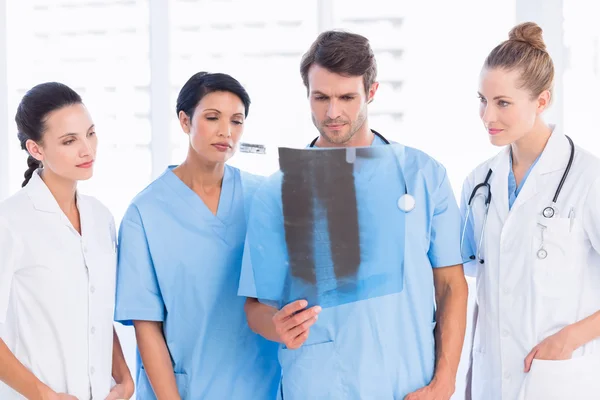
<point>383,347</point>
<point>513,189</point>
<point>180,264</point>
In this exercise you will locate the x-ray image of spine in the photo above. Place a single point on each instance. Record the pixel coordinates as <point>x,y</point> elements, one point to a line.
<point>320,184</point>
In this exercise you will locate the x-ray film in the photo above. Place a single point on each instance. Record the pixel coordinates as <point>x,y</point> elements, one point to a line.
<point>327,227</point>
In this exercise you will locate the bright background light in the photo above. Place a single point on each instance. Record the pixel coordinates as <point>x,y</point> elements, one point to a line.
<point>129,58</point>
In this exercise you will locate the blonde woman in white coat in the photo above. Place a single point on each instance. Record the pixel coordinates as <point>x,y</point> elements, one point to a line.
<point>531,236</point>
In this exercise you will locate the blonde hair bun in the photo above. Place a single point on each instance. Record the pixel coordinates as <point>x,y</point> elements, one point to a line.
<point>530,33</point>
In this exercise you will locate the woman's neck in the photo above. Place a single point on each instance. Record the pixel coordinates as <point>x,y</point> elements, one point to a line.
<point>200,174</point>
<point>62,189</point>
<point>527,149</point>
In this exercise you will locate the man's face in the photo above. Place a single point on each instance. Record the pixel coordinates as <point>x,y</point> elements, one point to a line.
<point>338,104</point>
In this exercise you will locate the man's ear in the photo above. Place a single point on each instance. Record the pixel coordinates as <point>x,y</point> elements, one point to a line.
<point>372,91</point>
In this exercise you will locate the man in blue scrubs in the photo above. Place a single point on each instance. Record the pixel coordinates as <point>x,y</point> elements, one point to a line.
<point>404,345</point>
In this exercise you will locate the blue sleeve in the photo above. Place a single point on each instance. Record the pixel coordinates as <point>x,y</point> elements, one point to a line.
<point>468,231</point>
<point>250,184</point>
<point>444,246</point>
<point>247,287</point>
<point>138,294</point>
<point>247,284</point>
<point>264,263</point>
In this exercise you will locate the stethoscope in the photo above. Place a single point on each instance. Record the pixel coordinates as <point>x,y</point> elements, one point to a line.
<point>406,202</point>
<point>548,212</point>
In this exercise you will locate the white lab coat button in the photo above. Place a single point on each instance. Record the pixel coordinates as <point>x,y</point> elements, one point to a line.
<point>92,370</point>
<point>92,289</point>
<point>507,375</point>
<point>93,330</point>
<point>505,333</point>
<point>506,290</point>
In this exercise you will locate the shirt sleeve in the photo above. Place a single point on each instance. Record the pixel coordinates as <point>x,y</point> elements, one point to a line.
<point>10,250</point>
<point>247,287</point>
<point>468,246</point>
<point>264,262</point>
<point>138,295</point>
<point>591,215</point>
<point>444,247</point>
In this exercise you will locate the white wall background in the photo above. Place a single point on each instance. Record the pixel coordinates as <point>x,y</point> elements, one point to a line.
<point>128,59</point>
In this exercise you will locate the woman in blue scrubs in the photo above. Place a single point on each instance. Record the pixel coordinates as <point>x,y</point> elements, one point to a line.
<point>180,253</point>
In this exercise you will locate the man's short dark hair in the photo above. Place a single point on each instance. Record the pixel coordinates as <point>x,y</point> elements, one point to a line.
<point>344,53</point>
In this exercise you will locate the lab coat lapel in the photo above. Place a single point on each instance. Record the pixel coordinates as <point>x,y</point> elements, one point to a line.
<point>499,185</point>
<point>86,216</point>
<point>43,200</point>
<point>531,187</point>
<point>554,158</point>
<point>556,154</point>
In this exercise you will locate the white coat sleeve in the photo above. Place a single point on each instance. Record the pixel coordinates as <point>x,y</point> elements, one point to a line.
<point>591,215</point>
<point>10,253</point>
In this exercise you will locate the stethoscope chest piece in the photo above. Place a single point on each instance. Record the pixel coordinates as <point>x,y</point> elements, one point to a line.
<point>406,203</point>
<point>548,213</point>
<point>542,254</point>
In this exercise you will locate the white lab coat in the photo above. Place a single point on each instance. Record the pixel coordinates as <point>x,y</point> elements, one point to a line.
<point>521,299</point>
<point>57,291</point>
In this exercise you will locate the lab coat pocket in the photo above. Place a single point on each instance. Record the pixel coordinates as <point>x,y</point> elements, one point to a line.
<point>574,379</point>
<point>556,253</point>
<point>144,390</point>
<point>311,372</point>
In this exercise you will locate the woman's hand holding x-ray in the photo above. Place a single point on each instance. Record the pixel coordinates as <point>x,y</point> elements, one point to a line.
<point>555,347</point>
<point>293,322</point>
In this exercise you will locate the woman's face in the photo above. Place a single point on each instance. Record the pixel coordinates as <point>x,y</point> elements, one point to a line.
<point>69,142</point>
<point>216,126</point>
<point>508,110</point>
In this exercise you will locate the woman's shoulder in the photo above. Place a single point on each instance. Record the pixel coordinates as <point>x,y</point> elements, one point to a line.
<point>587,161</point>
<point>247,179</point>
<point>16,218</point>
<point>15,206</point>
